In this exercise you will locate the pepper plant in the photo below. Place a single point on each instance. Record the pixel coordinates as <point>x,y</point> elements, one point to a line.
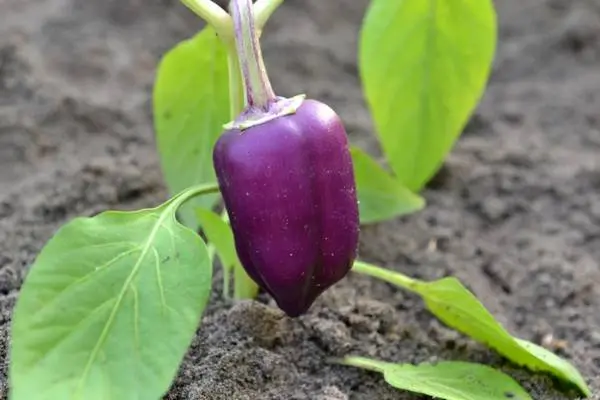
<point>112,302</point>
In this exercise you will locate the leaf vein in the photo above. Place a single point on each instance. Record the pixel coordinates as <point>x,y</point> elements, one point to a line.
<point>108,325</point>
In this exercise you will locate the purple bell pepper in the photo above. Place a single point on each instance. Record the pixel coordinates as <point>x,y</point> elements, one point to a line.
<point>288,185</point>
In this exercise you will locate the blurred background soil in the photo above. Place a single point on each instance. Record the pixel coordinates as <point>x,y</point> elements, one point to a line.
<point>515,213</point>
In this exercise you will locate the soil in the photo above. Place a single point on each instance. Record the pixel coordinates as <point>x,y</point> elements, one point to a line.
<point>514,214</point>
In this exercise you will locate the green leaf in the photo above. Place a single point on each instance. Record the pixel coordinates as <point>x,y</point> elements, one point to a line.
<point>458,308</point>
<point>110,307</point>
<point>450,380</point>
<point>424,66</point>
<point>380,195</point>
<point>218,232</point>
<point>191,104</point>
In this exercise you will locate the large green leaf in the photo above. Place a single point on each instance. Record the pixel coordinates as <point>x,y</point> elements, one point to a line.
<point>449,380</point>
<point>457,307</point>
<point>109,308</point>
<point>191,104</point>
<point>424,65</point>
<point>381,196</point>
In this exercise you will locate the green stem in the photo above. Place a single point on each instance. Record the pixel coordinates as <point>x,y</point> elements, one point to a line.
<point>212,251</point>
<point>214,15</point>
<point>236,106</point>
<point>243,286</point>
<point>393,277</point>
<point>194,191</point>
<point>226,269</point>
<point>236,85</point>
<point>263,9</point>
<point>360,362</point>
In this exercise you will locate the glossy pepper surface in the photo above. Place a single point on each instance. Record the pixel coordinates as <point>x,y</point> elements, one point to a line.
<point>288,186</point>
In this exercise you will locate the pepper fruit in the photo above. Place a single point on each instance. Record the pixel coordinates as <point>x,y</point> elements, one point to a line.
<point>288,185</point>
<point>286,175</point>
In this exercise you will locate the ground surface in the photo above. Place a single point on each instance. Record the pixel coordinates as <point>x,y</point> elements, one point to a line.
<point>515,215</point>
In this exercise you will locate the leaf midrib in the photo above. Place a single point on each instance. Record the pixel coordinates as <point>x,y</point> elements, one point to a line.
<point>507,342</point>
<point>425,89</point>
<point>425,381</point>
<point>147,246</point>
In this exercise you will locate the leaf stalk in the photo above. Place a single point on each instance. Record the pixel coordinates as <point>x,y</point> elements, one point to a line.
<point>214,15</point>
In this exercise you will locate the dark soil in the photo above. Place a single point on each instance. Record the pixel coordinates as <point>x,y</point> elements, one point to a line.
<point>515,214</point>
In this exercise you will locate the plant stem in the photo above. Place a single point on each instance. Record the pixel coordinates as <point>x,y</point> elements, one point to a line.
<point>236,105</point>
<point>393,277</point>
<point>214,15</point>
<point>361,362</point>
<point>194,191</point>
<point>226,268</point>
<point>243,286</point>
<point>236,85</point>
<point>259,93</point>
<point>263,9</point>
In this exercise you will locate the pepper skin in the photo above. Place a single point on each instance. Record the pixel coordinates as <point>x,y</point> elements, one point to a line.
<point>288,186</point>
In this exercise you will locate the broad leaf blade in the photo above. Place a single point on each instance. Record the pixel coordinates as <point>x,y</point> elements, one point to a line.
<point>457,307</point>
<point>424,66</point>
<point>109,308</point>
<point>191,104</point>
<point>380,195</point>
<point>449,380</point>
